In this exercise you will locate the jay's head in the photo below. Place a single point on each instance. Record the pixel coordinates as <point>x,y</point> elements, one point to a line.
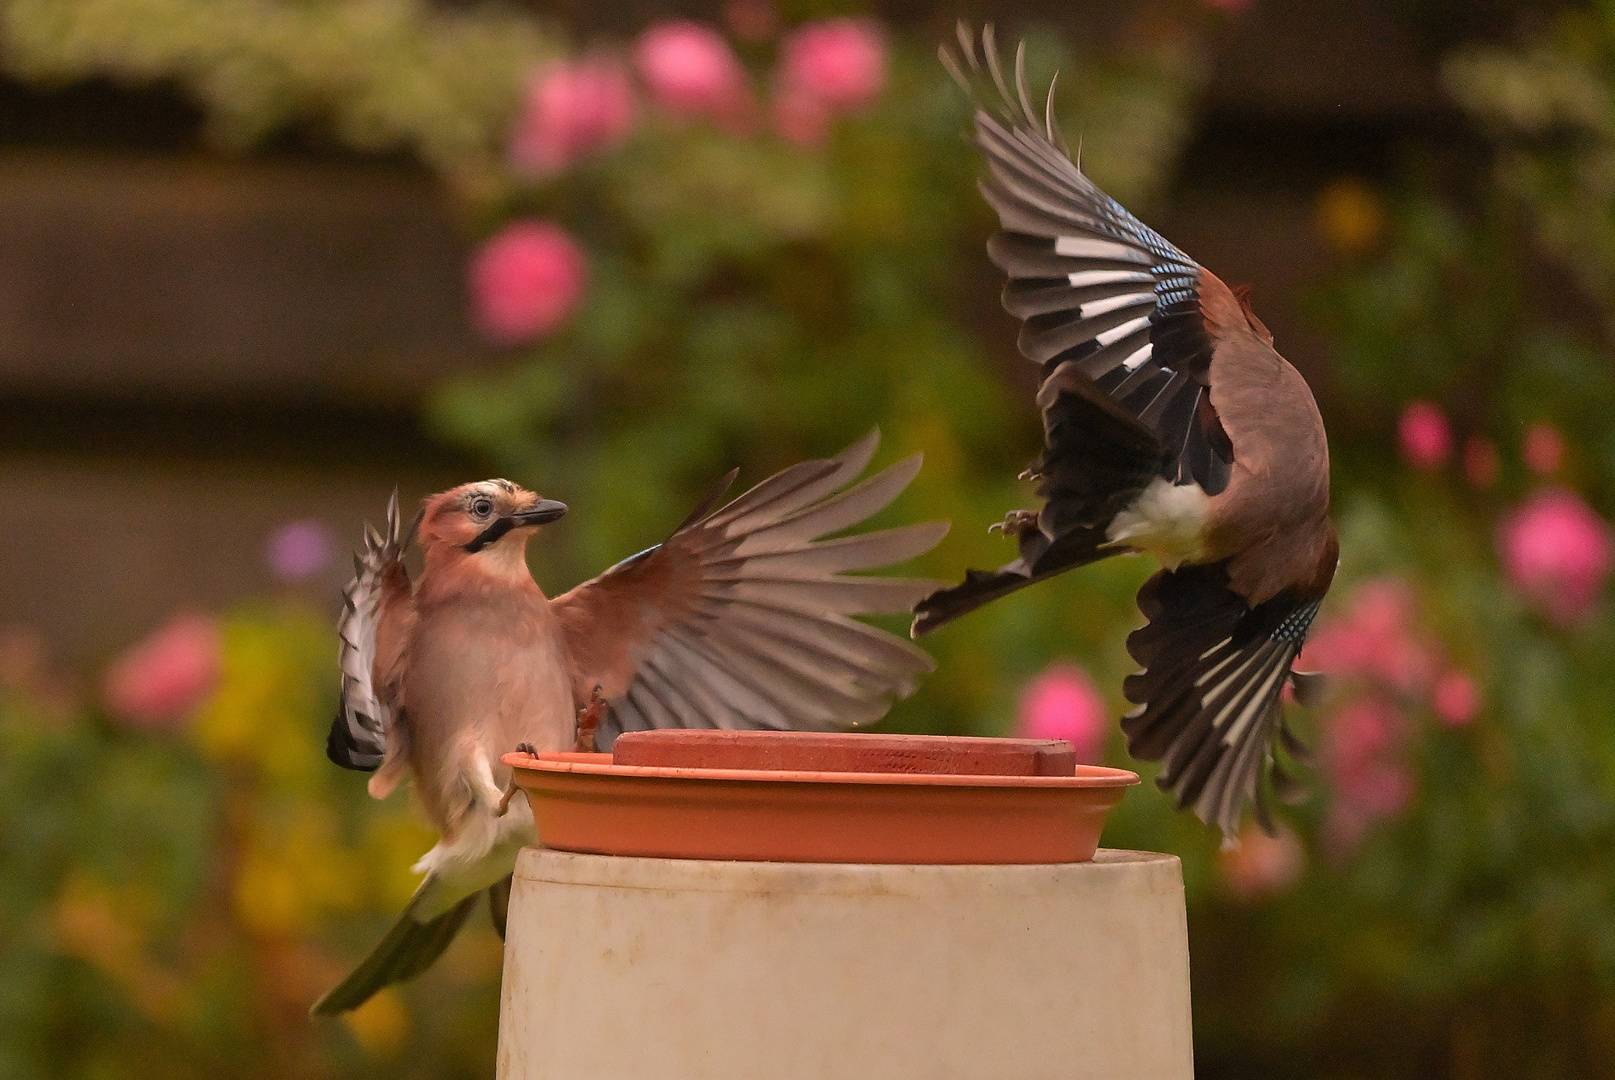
<point>490,514</point>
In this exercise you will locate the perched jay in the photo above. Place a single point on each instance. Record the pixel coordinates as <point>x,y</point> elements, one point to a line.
<point>1171,426</point>
<point>739,620</point>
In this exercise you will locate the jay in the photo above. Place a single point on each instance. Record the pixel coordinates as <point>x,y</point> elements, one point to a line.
<point>1171,426</point>
<point>740,619</point>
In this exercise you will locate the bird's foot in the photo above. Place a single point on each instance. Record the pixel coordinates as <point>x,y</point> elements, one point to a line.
<point>511,788</point>
<point>588,720</point>
<point>1016,524</point>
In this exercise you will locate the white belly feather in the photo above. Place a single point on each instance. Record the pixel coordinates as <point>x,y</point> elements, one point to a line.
<point>1167,520</point>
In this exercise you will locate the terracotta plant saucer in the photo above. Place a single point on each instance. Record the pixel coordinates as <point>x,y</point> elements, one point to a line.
<point>765,796</point>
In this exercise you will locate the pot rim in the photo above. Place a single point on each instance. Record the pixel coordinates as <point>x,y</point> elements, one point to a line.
<point>1087,776</point>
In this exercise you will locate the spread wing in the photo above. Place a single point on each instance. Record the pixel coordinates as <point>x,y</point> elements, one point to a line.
<point>375,607</point>
<point>1094,286</point>
<point>1208,698</point>
<point>743,617</point>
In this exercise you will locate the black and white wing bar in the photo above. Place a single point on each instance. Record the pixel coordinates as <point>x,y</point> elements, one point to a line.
<point>1093,285</point>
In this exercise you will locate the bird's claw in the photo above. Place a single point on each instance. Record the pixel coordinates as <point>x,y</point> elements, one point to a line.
<point>588,720</point>
<point>511,788</point>
<point>1016,523</point>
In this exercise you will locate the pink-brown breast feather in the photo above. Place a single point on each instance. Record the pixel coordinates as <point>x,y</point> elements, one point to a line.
<point>486,668</point>
<point>1274,513</point>
<point>611,623</point>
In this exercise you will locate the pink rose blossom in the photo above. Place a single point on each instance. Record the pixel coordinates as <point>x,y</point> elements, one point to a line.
<point>160,680</point>
<point>572,110</point>
<point>1556,552</point>
<point>1544,449</point>
<point>1425,435</point>
<point>1455,698</point>
<point>840,63</point>
<point>1480,462</point>
<point>300,550</point>
<point>1262,866</point>
<point>691,70</point>
<point>1063,703</point>
<point>526,281</point>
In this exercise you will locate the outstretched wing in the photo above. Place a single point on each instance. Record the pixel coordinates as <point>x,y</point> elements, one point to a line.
<point>371,630</point>
<point>1208,698</point>
<point>743,617</point>
<point>1094,286</point>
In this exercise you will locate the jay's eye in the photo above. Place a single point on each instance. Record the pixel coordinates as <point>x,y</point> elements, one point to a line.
<point>481,508</point>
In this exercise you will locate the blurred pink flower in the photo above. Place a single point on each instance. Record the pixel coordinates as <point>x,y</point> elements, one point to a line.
<point>1557,552</point>
<point>572,109</point>
<point>1357,733</point>
<point>1383,789</point>
<point>1063,703</point>
<point>691,70</point>
<point>1230,7</point>
<point>1362,757</point>
<point>1425,435</point>
<point>1262,865</point>
<point>1374,637</point>
<point>1544,449</point>
<point>159,681</point>
<point>839,63</point>
<point>1480,462</point>
<point>755,21</point>
<point>1456,698</point>
<point>526,281</point>
<point>300,550</point>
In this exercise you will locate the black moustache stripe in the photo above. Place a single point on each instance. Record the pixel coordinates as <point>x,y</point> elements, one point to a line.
<point>491,534</point>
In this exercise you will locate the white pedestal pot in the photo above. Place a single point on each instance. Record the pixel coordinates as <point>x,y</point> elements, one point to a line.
<point>628,968</point>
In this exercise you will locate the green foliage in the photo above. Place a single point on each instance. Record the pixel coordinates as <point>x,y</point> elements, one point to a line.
<point>1551,113</point>
<point>171,892</point>
<point>381,75</point>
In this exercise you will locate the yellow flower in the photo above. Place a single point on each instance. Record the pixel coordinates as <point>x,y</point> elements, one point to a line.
<point>269,708</point>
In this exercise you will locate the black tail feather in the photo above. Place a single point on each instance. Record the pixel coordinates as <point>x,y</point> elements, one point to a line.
<point>409,948</point>
<point>499,903</point>
<point>343,749</point>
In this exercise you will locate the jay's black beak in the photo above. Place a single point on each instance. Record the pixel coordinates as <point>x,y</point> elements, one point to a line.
<point>540,513</point>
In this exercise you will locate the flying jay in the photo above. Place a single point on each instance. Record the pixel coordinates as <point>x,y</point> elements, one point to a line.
<point>1171,426</point>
